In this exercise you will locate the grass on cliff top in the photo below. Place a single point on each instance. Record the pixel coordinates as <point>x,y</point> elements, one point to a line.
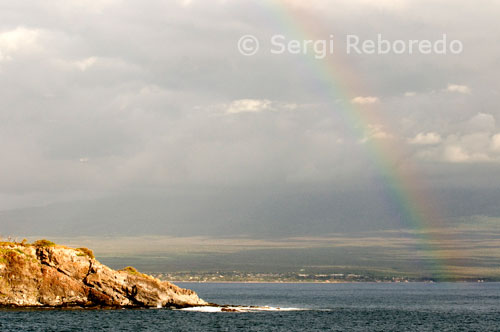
<point>44,243</point>
<point>24,242</point>
<point>133,271</point>
<point>85,252</point>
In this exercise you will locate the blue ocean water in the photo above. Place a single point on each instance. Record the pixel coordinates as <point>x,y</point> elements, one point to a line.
<point>316,307</point>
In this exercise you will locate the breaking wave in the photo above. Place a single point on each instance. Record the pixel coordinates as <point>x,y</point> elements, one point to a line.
<point>238,309</point>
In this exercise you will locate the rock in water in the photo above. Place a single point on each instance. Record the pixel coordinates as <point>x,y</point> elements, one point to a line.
<point>43,274</point>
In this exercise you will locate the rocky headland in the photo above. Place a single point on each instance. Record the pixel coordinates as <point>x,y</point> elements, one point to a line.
<point>44,274</point>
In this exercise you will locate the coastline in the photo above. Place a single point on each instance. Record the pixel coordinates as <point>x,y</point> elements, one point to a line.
<point>336,282</point>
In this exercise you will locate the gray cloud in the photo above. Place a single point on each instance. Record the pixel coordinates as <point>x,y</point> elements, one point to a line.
<point>114,97</point>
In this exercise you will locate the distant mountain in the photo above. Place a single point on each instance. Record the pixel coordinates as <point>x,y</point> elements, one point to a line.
<point>260,212</point>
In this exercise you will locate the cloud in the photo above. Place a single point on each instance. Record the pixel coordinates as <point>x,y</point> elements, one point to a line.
<point>81,6</point>
<point>457,154</point>
<point>249,106</point>
<point>475,140</point>
<point>365,100</point>
<point>376,132</point>
<point>464,89</point>
<point>256,106</point>
<point>142,112</point>
<point>17,40</point>
<point>495,142</point>
<point>322,6</point>
<point>86,63</point>
<point>481,122</point>
<point>429,138</point>
<point>474,147</point>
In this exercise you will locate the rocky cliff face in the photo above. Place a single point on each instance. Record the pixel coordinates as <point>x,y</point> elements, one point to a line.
<point>44,274</point>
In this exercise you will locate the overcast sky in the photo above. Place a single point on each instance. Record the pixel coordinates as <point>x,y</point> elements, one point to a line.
<point>115,102</point>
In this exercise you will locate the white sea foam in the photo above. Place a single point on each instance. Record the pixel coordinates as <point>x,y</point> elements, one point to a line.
<point>202,309</point>
<point>239,309</point>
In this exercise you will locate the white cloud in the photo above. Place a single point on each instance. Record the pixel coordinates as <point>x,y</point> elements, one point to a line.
<point>94,7</point>
<point>386,4</point>
<point>17,40</point>
<point>86,63</point>
<point>474,147</point>
<point>464,89</point>
<point>325,5</point>
<point>481,122</point>
<point>410,94</point>
<point>376,132</point>
<point>365,100</point>
<point>457,154</point>
<point>475,143</point>
<point>256,106</point>
<point>495,142</point>
<point>426,139</point>
<point>249,106</point>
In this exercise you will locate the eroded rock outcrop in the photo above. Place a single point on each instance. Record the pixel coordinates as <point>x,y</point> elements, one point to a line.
<point>44,274</point>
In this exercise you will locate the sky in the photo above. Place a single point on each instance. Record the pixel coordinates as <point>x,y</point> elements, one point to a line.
<point>143,118</point>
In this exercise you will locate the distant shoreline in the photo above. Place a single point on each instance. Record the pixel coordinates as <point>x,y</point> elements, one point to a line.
<point>337,282</point>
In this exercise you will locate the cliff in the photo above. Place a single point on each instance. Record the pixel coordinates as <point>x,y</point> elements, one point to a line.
<point>43,274</point>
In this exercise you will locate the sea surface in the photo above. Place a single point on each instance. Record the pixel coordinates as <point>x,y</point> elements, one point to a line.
<point>293,307</point>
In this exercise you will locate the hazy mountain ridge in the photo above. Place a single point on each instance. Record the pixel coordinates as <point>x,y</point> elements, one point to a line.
<point>260,212</point>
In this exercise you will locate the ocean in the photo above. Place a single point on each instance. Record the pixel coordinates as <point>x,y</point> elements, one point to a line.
<point>293,307</point>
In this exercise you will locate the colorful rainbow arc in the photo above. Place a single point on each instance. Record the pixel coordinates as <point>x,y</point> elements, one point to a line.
<point>402,183</point>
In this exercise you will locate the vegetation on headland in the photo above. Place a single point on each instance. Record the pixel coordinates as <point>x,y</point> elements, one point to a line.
<point>6,252</point>
<point>12,242</point>
<point>5,247</point>
<point>86,252</point>
<point>43,243</point>
<point>132,270</point>
<point>43,274</point>
<point>25,243</point>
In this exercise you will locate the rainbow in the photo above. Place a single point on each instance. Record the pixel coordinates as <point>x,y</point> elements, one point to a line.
<point>402,182</point>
